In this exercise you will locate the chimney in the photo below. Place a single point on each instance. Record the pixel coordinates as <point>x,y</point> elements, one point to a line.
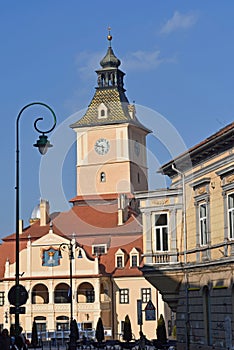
<point>21,226</point>
<point>44,212</point>
<point>122,209</point>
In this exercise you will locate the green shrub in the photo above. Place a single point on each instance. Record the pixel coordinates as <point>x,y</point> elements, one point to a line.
<point>161,330</point>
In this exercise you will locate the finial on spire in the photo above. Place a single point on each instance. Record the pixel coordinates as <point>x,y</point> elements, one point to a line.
<point>110,60</point>
<point>109,36</point>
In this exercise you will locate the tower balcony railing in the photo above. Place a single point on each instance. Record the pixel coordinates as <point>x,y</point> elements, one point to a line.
<point>199,254</point>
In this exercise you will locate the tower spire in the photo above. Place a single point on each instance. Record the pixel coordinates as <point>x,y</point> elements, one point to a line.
<point>110,60</point>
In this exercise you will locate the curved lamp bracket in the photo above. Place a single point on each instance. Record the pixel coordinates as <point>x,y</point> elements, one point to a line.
<point>43,143</point>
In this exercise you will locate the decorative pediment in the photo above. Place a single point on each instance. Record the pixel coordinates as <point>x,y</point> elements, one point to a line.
<point>227,178</point>
<point>201,187</point>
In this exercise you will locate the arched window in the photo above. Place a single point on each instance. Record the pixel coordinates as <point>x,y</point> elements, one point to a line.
<point>206,314</point>
<point>86,293</point>
<point>41,323</point>
<point>103,177</point>
<point>40,294</point>
<point>61,294</point>
<point>62,323</point>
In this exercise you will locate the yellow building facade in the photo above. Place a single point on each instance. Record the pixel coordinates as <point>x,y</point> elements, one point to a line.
<point>188,242</point>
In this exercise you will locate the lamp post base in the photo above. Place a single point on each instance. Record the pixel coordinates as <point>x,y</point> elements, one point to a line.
<point>72,345</point>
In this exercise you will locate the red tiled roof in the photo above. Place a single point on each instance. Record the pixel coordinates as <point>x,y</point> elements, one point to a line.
<point>35,231</point>
<point>89,220</point>
<point>91,224</point>
<point>107,196</point>
<point>107,261</point>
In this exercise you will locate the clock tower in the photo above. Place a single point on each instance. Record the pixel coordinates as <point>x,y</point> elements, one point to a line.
<point>111,142</point>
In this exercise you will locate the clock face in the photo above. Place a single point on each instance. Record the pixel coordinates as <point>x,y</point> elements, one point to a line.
<point>137,148</point>
<point>102,146</point>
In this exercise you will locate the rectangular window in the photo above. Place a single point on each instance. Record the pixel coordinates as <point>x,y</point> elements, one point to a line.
<point>2,298</point>
<point>134,261</point>
<point>145,295</point>
<point>99,249</point>
<point>90,296</point>
<point>231,215</point>
<point>41,327</point>
<point>124,296</point>
<point>161,231</point>
<point>119,261</point>
<point>203,224</point>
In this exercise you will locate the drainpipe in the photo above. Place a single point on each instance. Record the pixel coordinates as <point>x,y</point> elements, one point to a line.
<point>113,309</point>
<point>184,211</point>
<point>185,255</point>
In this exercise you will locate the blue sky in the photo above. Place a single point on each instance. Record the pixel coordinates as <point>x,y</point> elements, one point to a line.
<point>177,55</point>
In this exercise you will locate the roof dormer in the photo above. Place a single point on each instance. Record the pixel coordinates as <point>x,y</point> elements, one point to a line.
<point>120,259</point>
<point>134,258</point>
<point>102,111</point>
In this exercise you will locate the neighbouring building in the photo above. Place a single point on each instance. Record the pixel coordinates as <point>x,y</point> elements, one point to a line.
<point>100,237</point>
<point>188,242</point>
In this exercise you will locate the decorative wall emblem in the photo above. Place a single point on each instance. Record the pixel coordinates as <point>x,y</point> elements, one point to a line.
<point>201,190</point>
<point>50,257</point>
<point>160,202</point>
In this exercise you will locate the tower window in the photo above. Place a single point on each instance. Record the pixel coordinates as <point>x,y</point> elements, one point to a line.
<point>102,113</point>
<point>103,177</point>
<point>138,178</point>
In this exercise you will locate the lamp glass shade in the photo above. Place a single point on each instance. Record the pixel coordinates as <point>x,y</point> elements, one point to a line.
<point>43,144</point>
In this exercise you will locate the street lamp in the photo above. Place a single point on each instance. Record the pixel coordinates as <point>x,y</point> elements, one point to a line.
<point>70,247</point>
<point>42,144</point>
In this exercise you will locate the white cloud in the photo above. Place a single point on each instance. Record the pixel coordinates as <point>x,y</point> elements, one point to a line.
<point>144,60</point>
<point>88,62</point>
<point>179,21</point>
<point>139,60</point>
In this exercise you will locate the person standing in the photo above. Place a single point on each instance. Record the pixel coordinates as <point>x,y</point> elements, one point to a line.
<point>5,340</point>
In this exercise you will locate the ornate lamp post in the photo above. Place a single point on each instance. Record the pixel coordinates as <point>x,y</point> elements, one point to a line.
<point>70,247</point>
<point>43,144</point>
